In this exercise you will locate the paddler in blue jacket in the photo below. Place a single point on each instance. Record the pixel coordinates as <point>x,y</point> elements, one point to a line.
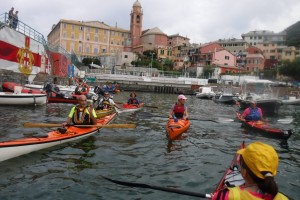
<point>179,110</point>
<point>133,100</point>
<point>253,113</point>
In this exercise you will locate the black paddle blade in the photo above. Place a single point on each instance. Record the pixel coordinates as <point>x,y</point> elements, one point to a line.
<point>172,190</point>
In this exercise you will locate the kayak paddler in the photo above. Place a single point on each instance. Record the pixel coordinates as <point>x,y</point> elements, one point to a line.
<point>252,113</point>
<point>258,167</point>
<point>179,110</point>
<point>82,114</point>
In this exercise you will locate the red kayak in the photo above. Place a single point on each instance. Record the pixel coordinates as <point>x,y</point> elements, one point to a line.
<point>56,98</point>
<point>266,128</point>
<point>129,107</point>
<point>232,176</point>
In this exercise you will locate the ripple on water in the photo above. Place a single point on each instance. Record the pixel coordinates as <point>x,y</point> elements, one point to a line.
<point>195,163</point>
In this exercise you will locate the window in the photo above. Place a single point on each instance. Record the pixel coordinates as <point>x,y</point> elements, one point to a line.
<point>73,26</point>
<point>72,47</point>
<point>72,36</point>
<point>125,56</point>
<point>64,25</point>
<point>87,49</point>
<point>96,39</point>
<point>226,57</point>
<point>95,50</point>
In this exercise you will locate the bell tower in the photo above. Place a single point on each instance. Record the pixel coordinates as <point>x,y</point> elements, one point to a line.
<point>136,22</point>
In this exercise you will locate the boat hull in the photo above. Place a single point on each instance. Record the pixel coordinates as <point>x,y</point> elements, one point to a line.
<point>103,113</point>
<point>15,148</point>
<point>175,129</point>
<point>130,108</point>
<point>232,174</point>
<point>8,98</point>
<point>265,128</point>
<point>225,98</point>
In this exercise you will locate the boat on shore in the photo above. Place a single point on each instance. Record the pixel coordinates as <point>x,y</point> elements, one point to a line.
<point>174,128</point>
<point>18,147</point>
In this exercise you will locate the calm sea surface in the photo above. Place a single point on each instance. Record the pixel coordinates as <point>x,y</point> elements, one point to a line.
<point>195,163</point>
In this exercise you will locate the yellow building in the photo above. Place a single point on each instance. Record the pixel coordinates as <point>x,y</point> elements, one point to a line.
<point>92,39</point>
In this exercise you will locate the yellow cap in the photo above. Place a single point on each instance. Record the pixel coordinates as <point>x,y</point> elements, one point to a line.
<point>260,157</point>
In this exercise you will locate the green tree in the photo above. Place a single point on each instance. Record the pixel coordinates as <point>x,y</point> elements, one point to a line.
<point>96,61</point>
<point>87,61</point>
<point>208,71</point>
<point>291,69</point>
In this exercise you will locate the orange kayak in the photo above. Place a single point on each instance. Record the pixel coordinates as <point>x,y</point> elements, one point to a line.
<point>175,129</point>
<point>15,148</point>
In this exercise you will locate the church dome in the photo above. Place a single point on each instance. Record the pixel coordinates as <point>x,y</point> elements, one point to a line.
<point>137,4</point>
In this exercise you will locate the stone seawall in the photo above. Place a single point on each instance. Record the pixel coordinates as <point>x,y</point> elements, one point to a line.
<point>9,76</point>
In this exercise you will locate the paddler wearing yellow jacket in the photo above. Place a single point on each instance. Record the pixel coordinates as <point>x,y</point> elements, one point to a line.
<point>259,164</point>
<point>82,114</point>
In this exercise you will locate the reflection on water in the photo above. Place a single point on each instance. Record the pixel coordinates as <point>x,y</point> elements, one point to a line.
<point>194,163</point>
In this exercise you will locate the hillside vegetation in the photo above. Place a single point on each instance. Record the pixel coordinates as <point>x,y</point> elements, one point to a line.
<point>293,35</point>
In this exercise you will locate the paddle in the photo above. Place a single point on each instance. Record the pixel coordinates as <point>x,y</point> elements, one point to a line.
<point>45,125</point>
<point>285,121</point>
<point>216,120</point>
<point>172,190</point>
<point>143,105</point>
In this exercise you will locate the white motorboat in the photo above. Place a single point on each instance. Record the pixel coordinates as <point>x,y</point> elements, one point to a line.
<point>292,99</point>
<point>205,92</point>
<point>263,95</point>
<point>16,98</point>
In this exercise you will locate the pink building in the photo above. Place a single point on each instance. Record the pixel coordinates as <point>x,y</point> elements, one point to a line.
<point>254,59</point>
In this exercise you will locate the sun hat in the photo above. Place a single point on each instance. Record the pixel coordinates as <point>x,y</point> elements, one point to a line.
<point>181,97</point>
<point>260,157</point>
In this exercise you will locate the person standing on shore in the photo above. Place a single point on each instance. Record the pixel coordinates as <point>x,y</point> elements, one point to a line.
<point>10,17</point>
<point>179,110</point>
<point>15,20</point>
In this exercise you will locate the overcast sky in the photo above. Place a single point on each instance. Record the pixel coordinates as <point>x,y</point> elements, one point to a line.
<point>200,20</point>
